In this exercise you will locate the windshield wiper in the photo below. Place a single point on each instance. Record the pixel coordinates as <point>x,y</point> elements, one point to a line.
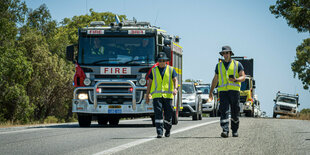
<point>133,61</point>
<point>96,62</point>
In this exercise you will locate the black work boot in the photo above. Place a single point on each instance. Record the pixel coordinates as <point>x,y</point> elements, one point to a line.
<point>167,133</point>
<point>235,134</point>
<point>224,134</point>
<point>159,136</point>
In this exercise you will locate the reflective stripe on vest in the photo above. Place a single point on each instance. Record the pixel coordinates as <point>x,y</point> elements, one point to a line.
<point>162,87</point>
<point>224,83</point>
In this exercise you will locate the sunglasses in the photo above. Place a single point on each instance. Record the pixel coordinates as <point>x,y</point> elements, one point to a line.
<point>225,53</point>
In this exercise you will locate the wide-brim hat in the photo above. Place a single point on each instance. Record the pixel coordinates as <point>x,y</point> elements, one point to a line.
<point>226,49</point>
<point>162,56</point>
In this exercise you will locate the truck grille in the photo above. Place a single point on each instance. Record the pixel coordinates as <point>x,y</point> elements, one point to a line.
<point>115,76</point>
<point>285,108</point>
<point>115,88</point>
<point>243,99</point>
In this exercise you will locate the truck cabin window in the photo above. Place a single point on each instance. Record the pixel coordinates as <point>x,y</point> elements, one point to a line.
<point>287,100</point>
<point>116,50</point>
<point>245,85</point>
<point>188,89</point>
<point>205,90</point>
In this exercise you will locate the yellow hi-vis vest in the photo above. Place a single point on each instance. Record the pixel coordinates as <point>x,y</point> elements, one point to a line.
<point>162,87</point>
<point>224,83</point>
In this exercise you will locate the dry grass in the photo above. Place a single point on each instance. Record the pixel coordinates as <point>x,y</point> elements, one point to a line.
<point>10,124</point>
<point>305,116</point>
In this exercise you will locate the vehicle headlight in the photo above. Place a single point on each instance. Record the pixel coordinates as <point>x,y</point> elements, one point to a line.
<point>142,82</point>
<point>87,81</point>
<point>247,103</point>
<point>192,98</point>
<point>83,96</point>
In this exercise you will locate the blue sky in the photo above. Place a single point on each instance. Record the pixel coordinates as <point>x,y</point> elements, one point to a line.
<point>204,27</point>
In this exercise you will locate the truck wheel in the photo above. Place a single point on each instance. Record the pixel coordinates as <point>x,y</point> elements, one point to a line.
<point>195,117</point>
<point>215,112</point>
<point>153,121</point>
<point>114,120</point>
<point>84,120</point>
<point>200,116</point>
<point>274,115</point>
<point>103,120</point>
<point>175,118</point>
<point>200,113</point>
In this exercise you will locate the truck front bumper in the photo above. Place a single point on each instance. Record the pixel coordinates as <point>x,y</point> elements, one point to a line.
<point>283,112</point>
<point>188,110</point>
<point>207,107</point>
<point>85,106</point>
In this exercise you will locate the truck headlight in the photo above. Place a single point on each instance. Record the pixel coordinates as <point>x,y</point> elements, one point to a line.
<point>142,82</point>
<point>247,103</point>
<point>87,81</point>
<point>82,96</point>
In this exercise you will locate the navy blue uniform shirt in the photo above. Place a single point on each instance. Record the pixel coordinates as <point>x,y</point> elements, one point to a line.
<point>226,64</point>
<point>162,72</point>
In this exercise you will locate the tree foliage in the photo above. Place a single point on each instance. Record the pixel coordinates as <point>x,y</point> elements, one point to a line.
<point>301,65</point>
<point>297,14</point>
<point>35,78</point>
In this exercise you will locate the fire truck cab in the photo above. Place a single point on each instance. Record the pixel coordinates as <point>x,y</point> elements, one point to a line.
<point>112,64</point>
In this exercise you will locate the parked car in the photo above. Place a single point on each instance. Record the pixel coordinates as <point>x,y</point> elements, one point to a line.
<point>207,107</point>
<point>191,99</point>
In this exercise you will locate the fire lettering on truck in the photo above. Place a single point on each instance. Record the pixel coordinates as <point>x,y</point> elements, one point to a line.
<point>95,31</point>
<point>136,31</point>
<point>115,70</point>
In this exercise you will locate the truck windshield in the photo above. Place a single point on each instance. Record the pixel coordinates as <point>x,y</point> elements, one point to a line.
<point>205,89</point>
<point>245,85</point>
<point>116,50</point>
<point>188,89</point>
<point>287,100</point>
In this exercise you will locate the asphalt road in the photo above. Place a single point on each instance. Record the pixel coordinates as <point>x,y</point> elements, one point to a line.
<point>256,136</point>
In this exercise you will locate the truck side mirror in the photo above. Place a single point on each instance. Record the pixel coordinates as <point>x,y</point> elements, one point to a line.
<point>167,41</point>
<point>298,104</point>
<point>254,86</point>
<point>70,53</point>
<point>167,50</point>
<point>274,100</point>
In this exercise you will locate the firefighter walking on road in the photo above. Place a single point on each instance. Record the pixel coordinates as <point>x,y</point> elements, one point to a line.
<point>228,75</point>
<point>162,85</point>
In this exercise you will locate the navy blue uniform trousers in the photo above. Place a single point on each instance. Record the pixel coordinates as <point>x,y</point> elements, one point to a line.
<point>160,105</point>
<point>230,99</point>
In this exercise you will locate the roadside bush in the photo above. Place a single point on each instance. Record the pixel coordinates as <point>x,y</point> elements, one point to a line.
<point>50,119</point>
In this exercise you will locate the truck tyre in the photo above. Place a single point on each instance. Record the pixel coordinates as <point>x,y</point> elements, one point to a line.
<point>211,114</point>
<point>114,120</point>
<point>200,112</point>
<point>247,114</point>
<point>84,120</point>
<point>175,118</point>
<point>200,116</point>
<point>274,115</point>
<point>195,117</point>
<point>103,120</point>
<point>153,120</point>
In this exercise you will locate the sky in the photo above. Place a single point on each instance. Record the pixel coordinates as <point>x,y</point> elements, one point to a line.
<point>204,26</point>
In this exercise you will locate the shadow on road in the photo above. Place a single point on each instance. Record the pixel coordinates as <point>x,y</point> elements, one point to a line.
<point>195,137</point>
<point>103,126</point>
<point>136,138</point>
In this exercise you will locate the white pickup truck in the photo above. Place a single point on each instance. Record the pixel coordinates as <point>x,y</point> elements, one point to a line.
<point>285,104</point>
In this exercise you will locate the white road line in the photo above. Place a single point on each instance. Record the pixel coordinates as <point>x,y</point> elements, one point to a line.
<point>138,142</point>
<point>26,130</point>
